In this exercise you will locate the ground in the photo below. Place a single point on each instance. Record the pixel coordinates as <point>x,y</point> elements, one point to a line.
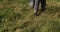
<point>16,16</point>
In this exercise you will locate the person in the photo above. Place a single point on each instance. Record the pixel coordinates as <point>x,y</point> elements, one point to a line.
<point>35,4</point>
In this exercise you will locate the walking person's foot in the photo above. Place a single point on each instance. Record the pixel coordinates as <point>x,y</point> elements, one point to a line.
<point>42,11</point>
<point>36,13</point>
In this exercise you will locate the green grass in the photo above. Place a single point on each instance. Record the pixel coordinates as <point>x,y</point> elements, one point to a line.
<point>16,16</point>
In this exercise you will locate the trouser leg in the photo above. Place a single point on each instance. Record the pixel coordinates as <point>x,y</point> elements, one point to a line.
<point>43,4</point>
<point>36,6</point>
<point>33,3</point>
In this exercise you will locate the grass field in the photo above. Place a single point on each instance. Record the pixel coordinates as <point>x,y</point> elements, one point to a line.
<point>16,16</point>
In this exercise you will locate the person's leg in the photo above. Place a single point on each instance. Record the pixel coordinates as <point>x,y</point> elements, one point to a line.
<point>43,4</point>
<point>36,6</point>
<point>33,3</point>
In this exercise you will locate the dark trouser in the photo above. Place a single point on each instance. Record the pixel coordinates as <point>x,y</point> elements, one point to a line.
<point>36,4</point>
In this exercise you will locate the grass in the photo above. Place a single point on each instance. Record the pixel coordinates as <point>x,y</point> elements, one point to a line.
<point>16,16</point>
